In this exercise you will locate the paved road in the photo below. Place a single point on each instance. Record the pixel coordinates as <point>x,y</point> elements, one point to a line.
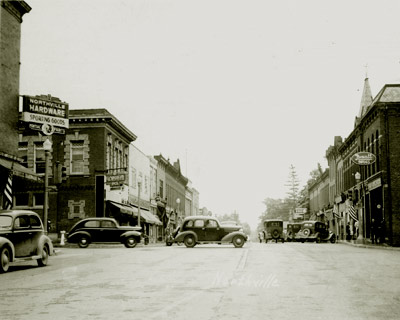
<point>259,281</point>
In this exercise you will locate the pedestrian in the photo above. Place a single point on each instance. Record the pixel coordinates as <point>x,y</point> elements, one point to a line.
<point>373,231</point>
<point>356,225</point>
<point>348,235</point>
<point>260,236</point>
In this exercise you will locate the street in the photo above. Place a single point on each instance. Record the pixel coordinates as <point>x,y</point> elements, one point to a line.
<point>259,281</point>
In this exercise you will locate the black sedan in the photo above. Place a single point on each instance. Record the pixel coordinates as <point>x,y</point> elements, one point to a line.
<point>22,237</point>
<point>91,230</point>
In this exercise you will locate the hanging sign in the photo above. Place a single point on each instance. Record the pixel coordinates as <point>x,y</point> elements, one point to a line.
<point>363,158</point>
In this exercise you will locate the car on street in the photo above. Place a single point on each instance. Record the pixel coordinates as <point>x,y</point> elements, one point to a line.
<point>315,231</point>
<point>22,237</point>
<point>273,230</point>
<point>204,229</point>
<point>104,230</point>
<point>292,229</point>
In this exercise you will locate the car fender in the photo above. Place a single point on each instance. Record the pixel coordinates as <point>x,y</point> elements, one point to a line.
<point>131,233</point>
<point>181,235</point>
<point>229,236</point>
<point>74,236</point>
<point>42,242</point>
<point>6,242</point>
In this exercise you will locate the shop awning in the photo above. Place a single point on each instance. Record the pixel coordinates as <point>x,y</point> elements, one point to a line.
<point>127,209</point>
<point>20,170</point>
<point>149,217</point>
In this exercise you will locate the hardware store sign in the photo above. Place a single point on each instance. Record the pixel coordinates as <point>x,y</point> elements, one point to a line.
<point>45,111</point>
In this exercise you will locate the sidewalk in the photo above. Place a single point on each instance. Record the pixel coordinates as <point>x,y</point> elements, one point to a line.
<point>368,245</point>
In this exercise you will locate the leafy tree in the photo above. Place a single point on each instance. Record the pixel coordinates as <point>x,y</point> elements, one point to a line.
<point>234,216</point>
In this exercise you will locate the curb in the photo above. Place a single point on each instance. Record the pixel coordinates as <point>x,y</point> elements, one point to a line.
<point>369,246</point>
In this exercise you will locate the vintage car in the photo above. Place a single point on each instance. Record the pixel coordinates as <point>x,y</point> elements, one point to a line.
<point>205,229</point>
<point>101,230</point>
<point>273,230</point>
<point>22,237</point>
<point>315,231</point>
<point>292,229</point>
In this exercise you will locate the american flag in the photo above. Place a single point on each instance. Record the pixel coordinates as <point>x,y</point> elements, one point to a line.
<point>353,213</point>
<point>8,192</point>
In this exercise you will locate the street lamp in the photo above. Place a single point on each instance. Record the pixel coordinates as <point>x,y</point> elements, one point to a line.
<point>47,147</point>
<point>178,201</point>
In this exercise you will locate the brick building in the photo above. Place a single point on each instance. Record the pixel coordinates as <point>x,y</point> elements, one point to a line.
<point>95,146</point>
<point>11,13</point>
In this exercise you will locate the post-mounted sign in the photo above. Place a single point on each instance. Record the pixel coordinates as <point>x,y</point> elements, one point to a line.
<point>363,158</point>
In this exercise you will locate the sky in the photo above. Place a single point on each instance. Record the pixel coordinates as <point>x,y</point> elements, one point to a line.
<point>238,91</point>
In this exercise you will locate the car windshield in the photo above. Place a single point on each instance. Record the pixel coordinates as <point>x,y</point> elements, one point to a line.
<point>5,222</point>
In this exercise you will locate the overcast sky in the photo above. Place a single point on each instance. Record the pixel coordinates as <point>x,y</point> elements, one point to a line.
<point>237,90</point>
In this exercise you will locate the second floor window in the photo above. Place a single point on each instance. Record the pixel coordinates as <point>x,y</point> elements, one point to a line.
<point>23,153</point>
<point>77,157</point>
<point>40,161</point>
<point>161,189</point>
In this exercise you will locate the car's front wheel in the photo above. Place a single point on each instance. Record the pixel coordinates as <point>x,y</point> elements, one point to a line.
<point>4,260</point>
<point>238,241</point>
<point>130,242</point>
<point>45,257</point>
<point>83,242</point>
<point>189,241</point>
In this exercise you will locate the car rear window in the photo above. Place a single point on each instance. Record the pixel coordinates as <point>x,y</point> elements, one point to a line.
<point>108,224</point>
<point>35,222</point>
<point>92,224</point>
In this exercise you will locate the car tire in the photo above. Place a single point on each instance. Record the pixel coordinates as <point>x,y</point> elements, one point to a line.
<point>275,234</point>
<point>83,242</point>
<point>306,232</point>
<point>189,241</point>
<point>5,258</point>
<point>168,244</point>
<point>318,240</point>
<point>42,262</point>
<point>333,239</point>
<point>130,242</point>
<point>238,241</point>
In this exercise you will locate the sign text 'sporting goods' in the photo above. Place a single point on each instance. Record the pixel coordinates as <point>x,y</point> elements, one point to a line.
<point>45,111</point>
<point>363,158</point>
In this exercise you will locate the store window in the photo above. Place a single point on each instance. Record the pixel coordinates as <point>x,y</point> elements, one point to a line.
<point>21,200</point>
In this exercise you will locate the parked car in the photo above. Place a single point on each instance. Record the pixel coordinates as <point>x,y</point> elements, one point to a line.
<point>95,230</point>
<point>292,229</point>
<point>22,237</point>
<point>203,229</point>
<point>273,230</point>
<point>315,231</point>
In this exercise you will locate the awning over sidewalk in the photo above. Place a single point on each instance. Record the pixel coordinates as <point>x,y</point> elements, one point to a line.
<point>124,208</point>
<point>19,170</point>
<point>145,215</point>
<point>149,217</point>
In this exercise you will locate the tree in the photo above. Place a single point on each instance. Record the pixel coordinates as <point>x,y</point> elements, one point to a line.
<point>293,184</point>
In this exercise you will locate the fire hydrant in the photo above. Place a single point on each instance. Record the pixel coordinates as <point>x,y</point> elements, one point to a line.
<point>62,241</point>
